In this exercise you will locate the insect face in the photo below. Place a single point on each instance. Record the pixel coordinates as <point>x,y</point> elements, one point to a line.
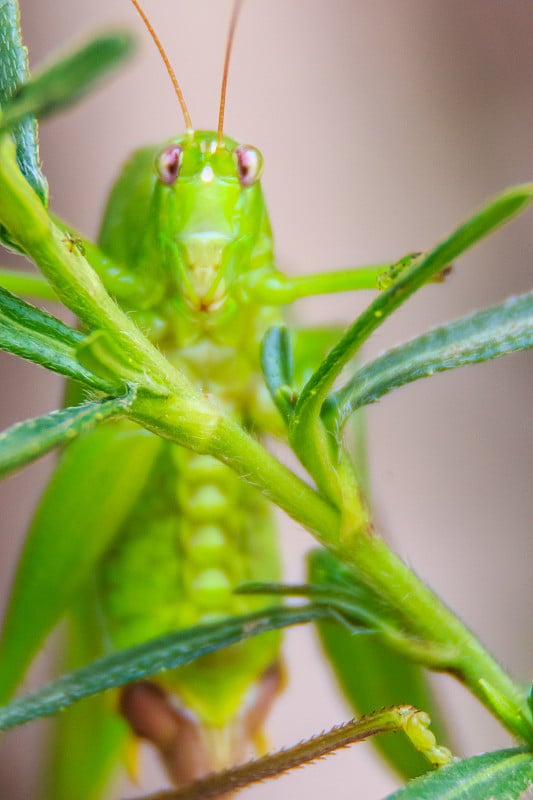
<point>213,218</point>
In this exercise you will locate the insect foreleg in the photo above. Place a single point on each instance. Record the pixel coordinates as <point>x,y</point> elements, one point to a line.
<point>276,288</point>
<point>27,284</point>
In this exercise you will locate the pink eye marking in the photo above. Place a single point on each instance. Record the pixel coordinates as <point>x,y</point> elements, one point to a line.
<point>168,164</point>
<point>249,164</point>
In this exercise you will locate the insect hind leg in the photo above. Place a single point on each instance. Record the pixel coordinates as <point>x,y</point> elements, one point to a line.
<point>188,750</point>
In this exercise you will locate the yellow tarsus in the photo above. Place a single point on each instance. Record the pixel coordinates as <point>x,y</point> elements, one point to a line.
<point>132,759</point>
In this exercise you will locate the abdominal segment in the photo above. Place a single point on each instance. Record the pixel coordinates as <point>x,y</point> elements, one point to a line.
<point>196,534</point>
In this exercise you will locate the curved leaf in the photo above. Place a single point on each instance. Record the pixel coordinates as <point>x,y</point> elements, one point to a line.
<point>502,775</point>
<point>302,431</point>
<point>38,336</point>
<point>29,440</point>
<point>66,80</point>
<point>487,334</point>
<point>13,73</point>
<point>277,365</point>
<point>151,658</point>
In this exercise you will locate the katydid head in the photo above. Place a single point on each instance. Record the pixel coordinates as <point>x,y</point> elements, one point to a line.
<point>211,214</point>
<point>207,203</point>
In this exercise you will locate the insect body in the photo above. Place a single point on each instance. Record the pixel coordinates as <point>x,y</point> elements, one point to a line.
<point>185,225</point>
<point>196,531</point>
<point>186,249</point>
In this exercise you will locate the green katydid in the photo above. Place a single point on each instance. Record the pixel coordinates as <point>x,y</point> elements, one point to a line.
<point>199,263</point>
<point>186,248</point>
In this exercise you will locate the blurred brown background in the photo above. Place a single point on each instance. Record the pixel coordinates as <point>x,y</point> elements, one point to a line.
<point>382,125</point>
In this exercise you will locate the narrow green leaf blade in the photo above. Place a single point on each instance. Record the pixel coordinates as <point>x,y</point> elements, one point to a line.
<point>370,674</point>
<point>38,336</point>
<point>96,483</point>
<point>29,440</point>
<point>151,658</point>
<point>311,346</point>
<point>277,365</point>
<point>502,775</point>
<point>487,334</point>
<point>487,219</point>
<point>66,80</point>
<point>13,73</point>
<point>26,315</point>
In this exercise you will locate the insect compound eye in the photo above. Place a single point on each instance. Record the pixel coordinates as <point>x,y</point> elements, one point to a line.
<point>168,164</point>
<point>249,164</point>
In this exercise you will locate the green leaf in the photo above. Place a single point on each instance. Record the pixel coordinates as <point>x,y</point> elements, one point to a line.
<point>151,658</point>
<point>66,80</point>
<point>502,775</point>
<point>487,334</point>
<point>277,364</point>
<point>307,438</point>
<point>311,346</point>
<point>37,336</point>
<point>370,674</point>
<point>29,440</point>
<point>96,483</point>
<point>13,73</point>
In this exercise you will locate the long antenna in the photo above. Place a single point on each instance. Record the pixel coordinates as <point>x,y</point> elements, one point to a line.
<point>237,5</point>
<point>162,53</point>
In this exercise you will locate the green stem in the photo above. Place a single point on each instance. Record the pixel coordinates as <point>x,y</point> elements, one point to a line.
<point>224,439</point>
<point>433,622</point>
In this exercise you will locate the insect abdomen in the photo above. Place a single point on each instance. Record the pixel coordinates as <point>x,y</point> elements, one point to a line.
<point>196,533</point>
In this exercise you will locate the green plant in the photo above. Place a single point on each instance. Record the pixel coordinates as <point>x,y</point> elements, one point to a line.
<point>383,596</point>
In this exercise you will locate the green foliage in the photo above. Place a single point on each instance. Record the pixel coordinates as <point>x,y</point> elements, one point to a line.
<point>65,81</point>
<point>369,672</point>
<point>484,335</point>
<point>151,658</point>
<point>13,74</point>
<point>37,336</point>
<point>140,373</point>
<point>26,441</point>
<point>277,363</point>
<point>308,442</point>
<point>502,775</point>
